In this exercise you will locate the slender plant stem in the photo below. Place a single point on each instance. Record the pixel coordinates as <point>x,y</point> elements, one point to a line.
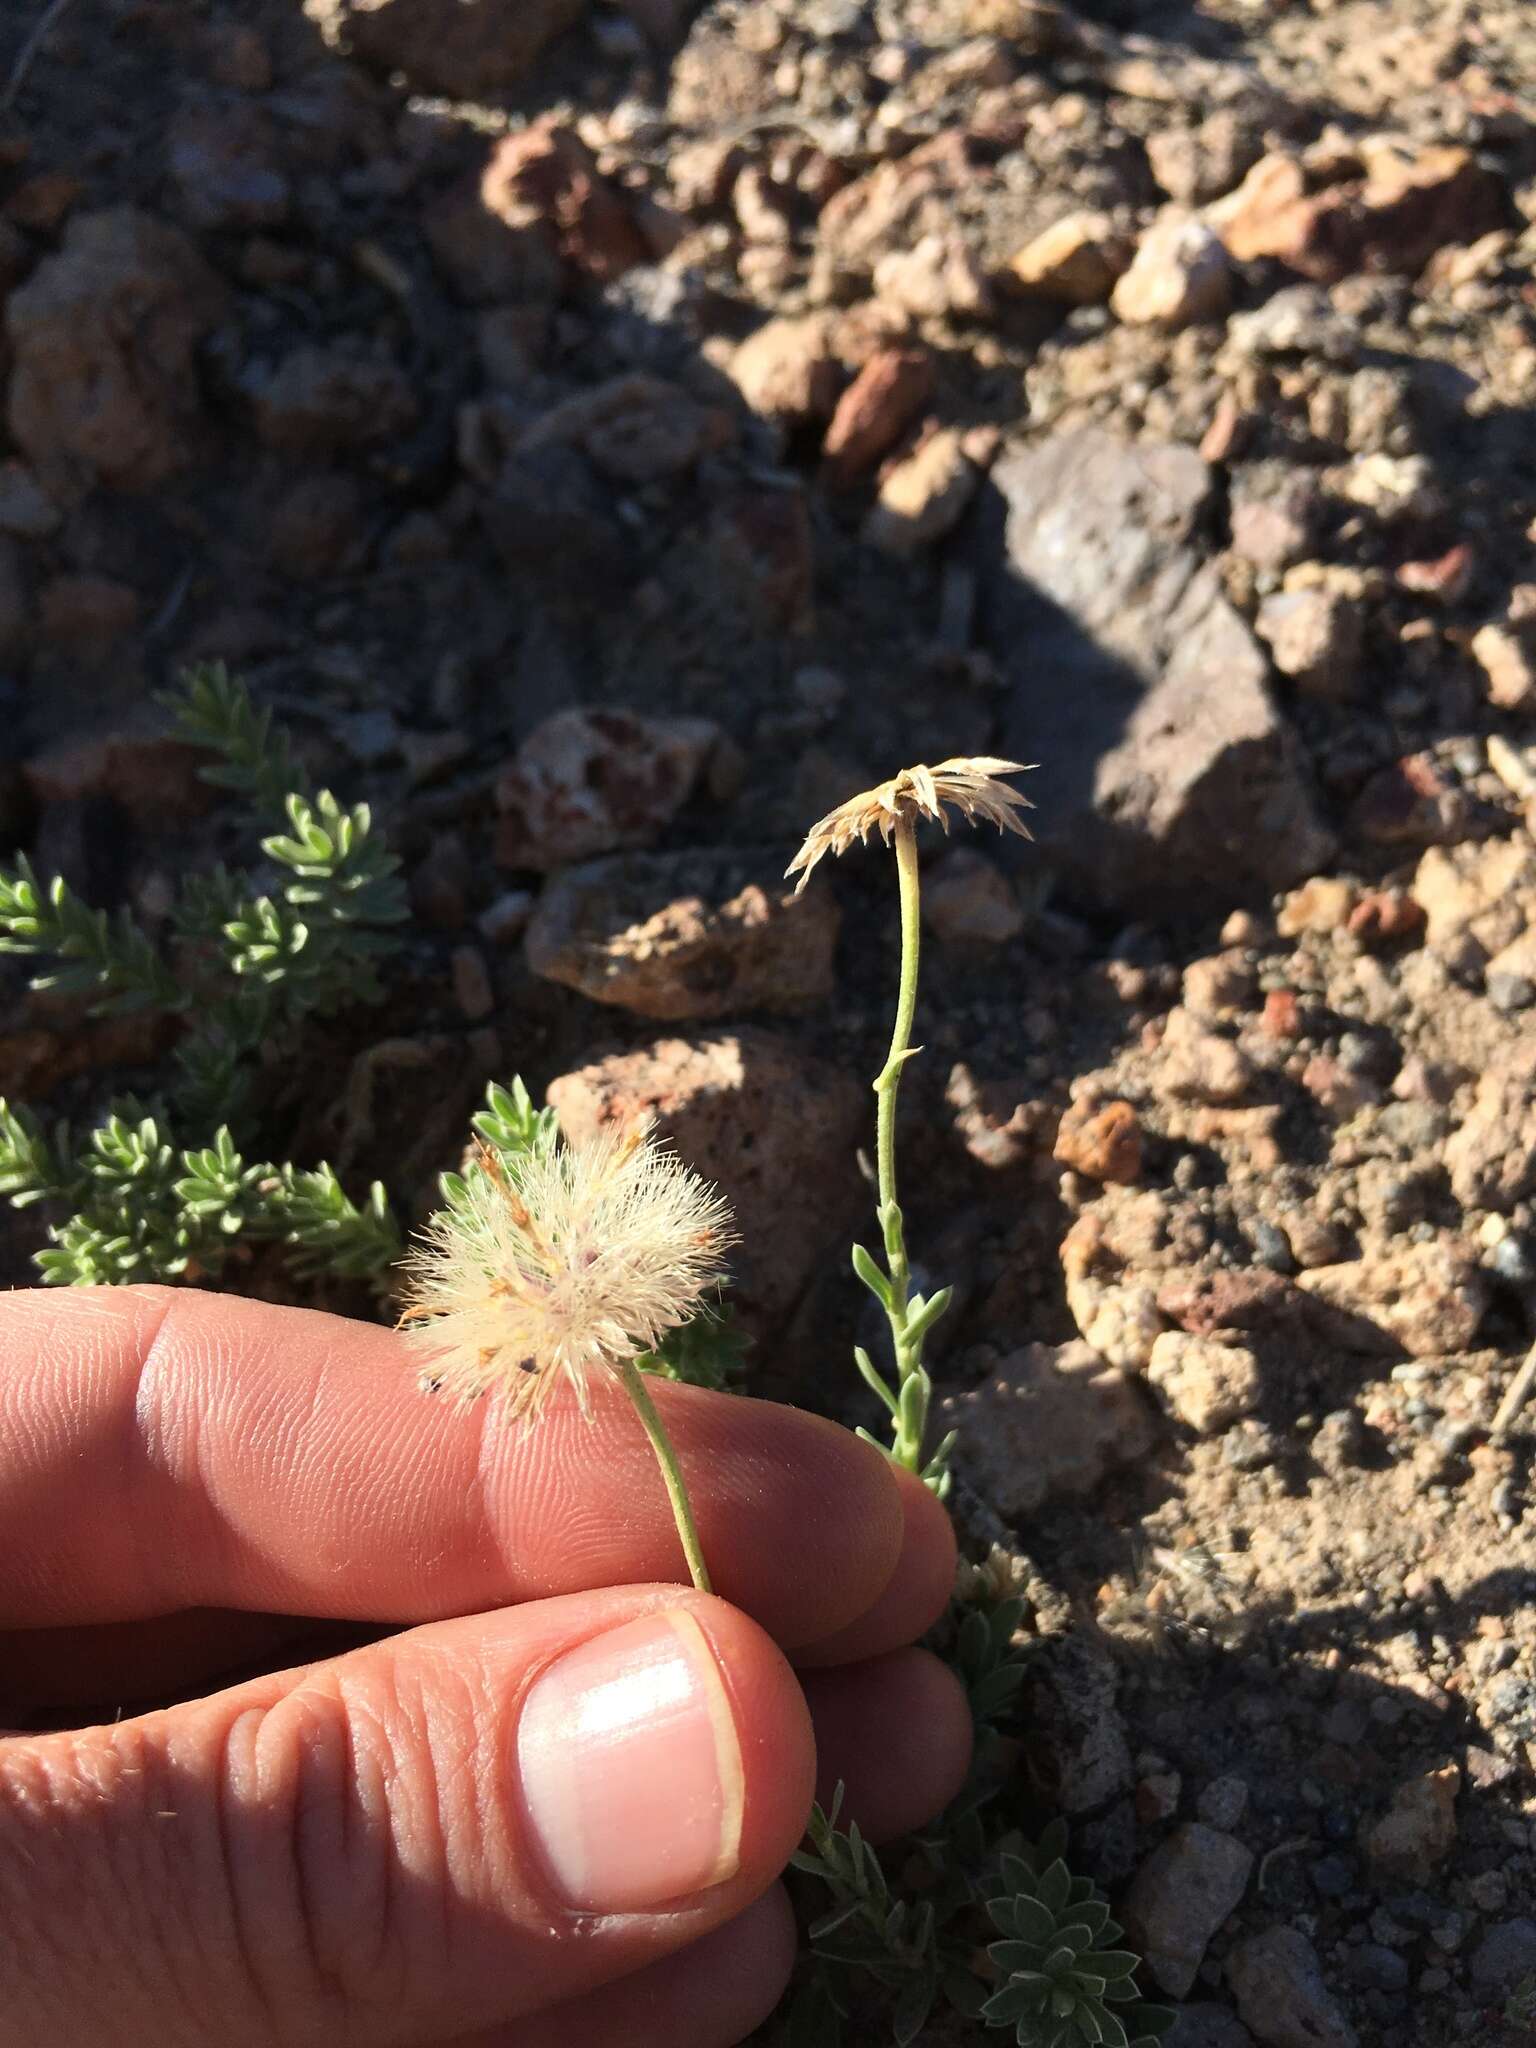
<point>671,1471</point>
<point>890,1075</point>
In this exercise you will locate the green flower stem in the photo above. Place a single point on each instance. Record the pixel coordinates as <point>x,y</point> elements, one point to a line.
<point>910,1410</point>
<point>671,1471</point>
<point>901,1050</point>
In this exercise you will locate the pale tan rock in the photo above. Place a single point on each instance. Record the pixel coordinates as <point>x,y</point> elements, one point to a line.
<point>923,496</point>
<point>692,935</point>
<point>1197,1062</point>
<point>1179,1898</point>
<point>1076,261</point>
<point>787,370</point>
<point>1180,276</point>
<point>1456,886</point>
<point>1508,662</point>
<point>1428,1299</point>
<point>1321,905</point>
<point>937,279</point>
<point>1207,1384</point>
<point>1491,1156</point>
<point>968,900</point>
<point>1047,1424</point>
<point>1418,1831</point>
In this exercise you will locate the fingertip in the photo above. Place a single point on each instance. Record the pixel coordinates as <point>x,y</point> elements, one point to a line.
<point>917,1591</point>
<point>896,1733</point>
<point>802,1522</point>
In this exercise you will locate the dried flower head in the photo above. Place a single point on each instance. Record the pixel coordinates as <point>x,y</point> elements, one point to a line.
<point>560,1263</point>
<point>971,785</point>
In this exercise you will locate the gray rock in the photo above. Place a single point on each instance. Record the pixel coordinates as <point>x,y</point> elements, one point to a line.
<point>1207,2026</point>
<point>442,46</point>
<point>1077,1739</point>
<point>1180,1896</point>
<point>1137,685</point>
<point>1278,1984</point>
<point>1505,1955</point>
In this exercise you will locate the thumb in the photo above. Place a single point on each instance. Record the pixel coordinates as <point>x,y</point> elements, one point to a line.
<point>429,1837</point>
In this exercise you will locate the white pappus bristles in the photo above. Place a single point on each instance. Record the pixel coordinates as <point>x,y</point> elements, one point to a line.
<point>559,1264</point>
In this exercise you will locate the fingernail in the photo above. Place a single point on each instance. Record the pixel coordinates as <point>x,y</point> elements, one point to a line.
<point>631,1767</point>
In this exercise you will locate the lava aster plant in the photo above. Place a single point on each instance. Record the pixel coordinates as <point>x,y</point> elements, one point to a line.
<point>562,1264</point>
<point>973,787</point>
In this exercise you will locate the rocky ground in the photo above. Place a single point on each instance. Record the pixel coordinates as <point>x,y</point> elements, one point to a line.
<point>610,437</point>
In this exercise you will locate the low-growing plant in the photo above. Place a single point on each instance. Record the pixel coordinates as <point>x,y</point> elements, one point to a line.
<point>893,809</point>
<point>162,1188</point>
<point>1052,1977</point>
<point>550,1262</point>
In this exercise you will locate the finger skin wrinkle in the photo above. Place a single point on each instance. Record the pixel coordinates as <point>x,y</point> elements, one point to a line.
<point>89,1840</point>
<point>162,1443</point>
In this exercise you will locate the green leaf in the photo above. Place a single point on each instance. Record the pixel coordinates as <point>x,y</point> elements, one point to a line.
<point>709,1350</point>
<point>876,1281</point>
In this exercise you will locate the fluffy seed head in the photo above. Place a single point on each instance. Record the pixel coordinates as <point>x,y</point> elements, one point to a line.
<point>970,784</point>
<point>559,1264</point>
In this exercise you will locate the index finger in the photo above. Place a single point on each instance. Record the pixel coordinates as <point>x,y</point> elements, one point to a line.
<point>162,1448</point>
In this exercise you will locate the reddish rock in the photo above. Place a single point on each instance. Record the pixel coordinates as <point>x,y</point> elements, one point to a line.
<point>486,261</point>
<point>1383,917</point>
<point>317,526</point>
<point>875,411</point>
<point>16,620</point>
<point>1102,1141</point>
<point>1445,577</point>
<point>87,615</point>
<point>590,782</point>
<point>1282,1014</point>
<point>545,176</point>
<point>759,547</point>
<point>237,57</point>
<point>792,1180</point>
<point>104,389</point>
<point>44,202</point>
<point>319,401</point>
<point>1232,1298</point>
<point>153,776</point>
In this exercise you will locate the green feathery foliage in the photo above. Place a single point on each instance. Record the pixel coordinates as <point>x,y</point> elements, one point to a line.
<point>253,956</point>
<point>709,1350</point>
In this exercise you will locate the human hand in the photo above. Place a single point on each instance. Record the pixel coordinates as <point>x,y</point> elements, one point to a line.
<point>551,1810</point>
